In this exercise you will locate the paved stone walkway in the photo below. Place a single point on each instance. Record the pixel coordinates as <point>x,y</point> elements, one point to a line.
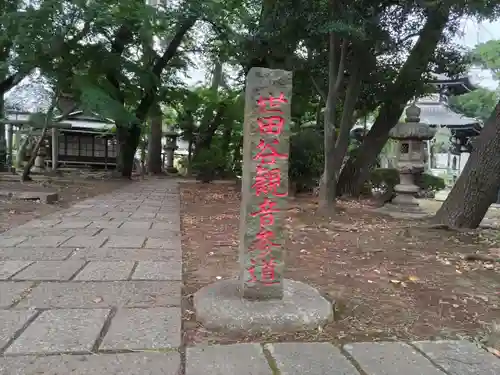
<point>95,289</point>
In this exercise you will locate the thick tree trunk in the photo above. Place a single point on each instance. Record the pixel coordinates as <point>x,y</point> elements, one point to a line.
<point>477,187</point>
<point>128,140</point>
<point>357,170</point>
<point>335,79</point>
<point>346,122</point>
<point>154,149</point>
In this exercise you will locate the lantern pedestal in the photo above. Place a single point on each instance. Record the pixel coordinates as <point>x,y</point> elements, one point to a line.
<point>220,307</point>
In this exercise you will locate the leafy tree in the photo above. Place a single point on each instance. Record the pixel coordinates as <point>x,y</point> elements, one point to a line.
<point>478,103</point>
<point>487,55</point>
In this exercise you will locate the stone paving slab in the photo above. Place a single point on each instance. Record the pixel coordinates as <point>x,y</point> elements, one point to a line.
<point>39,223</point>
<point>117,214</point>
<point>68,223</point>
<point>156,233</point>
<point>240,359</point>
<point>85,241</point>
<point>143,215</point>
<point>12,241</point>
<point>41,232</point>
<point>11,267</point>
<point>460,357</point>
<point>94,213</point>
<point>136,225</point>
<point>106,271</point>
<point>110,254</point>
<point>34,254</point>
<point>136,329</point>
<point>169,241</point>
<point>391,358</point>
<point>61,331</point>
<point>78,294</point>
<point>102,364</point>
<point>310,359</point>
<point>50,270</point>
<point>106,224</point>
<point>11,292</point>
<point>124,242</point>
<point>166,226</point>
<point>44,241</point>
<point>10,322</point>
<point>155,270</point>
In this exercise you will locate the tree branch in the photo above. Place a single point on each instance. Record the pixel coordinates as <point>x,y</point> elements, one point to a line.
<point>148,99</point>
<point>340,71</point>
<point>123,36</point>
<point>318,89</point>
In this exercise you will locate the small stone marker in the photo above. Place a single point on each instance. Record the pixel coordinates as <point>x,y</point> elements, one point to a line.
<point>264,182</point>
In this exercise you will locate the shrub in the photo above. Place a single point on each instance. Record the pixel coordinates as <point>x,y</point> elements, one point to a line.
<point>430,182</point>
<point>306,159</point>
<point>209,164</point>
<point>386,178</point>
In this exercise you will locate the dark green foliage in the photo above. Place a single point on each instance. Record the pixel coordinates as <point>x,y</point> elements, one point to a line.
<point>210,164</point>
<point>429,182</point>
<point>478,103</point>
<point>306,159</point>
<point>386,178</point>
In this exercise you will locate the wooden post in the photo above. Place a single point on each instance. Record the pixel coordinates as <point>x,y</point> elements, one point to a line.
<point>55,148</point>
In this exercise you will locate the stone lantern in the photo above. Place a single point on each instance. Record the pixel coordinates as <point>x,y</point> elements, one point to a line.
<point>39,165</point>
<point>411,135</point>
<point>169,148</point>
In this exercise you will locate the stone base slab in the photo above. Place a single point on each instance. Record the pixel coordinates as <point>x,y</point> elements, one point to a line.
<point>399,212</point>
<point>42,196</point>
<point>219,307</point>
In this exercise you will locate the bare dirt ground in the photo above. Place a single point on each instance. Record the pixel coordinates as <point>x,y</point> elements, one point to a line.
<point>70,188</point>
<point>390,278</point>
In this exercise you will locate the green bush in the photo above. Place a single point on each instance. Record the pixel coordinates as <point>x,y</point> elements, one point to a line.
<point>384,178</point>
<point>387,178</point>
<point>430,182</point>
<point>209,164</point>
<point>306,159</point>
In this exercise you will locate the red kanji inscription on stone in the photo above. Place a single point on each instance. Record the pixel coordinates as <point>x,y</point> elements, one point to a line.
<point>268,154</point>
<point>267,181</point>
<point>268,273</point>
<point>265,213</point>
<point>271,104</point>
<point>264,243</point>
<point>271,124</point>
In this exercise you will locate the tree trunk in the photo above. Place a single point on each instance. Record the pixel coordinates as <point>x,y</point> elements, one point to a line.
<point>27,168</point>
<point>21,153</point>
<point>155,134</point>
<point>478,184</point>
<point>128,140</point>
<point>335,78</point>
<point>357,169</point>
<point>346,122</point>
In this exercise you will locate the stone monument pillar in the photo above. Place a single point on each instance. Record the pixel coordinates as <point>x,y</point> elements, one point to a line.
<point>261,299</point>
<point>266,132</point>
<point>170,147</point>
<point>411,160</point>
